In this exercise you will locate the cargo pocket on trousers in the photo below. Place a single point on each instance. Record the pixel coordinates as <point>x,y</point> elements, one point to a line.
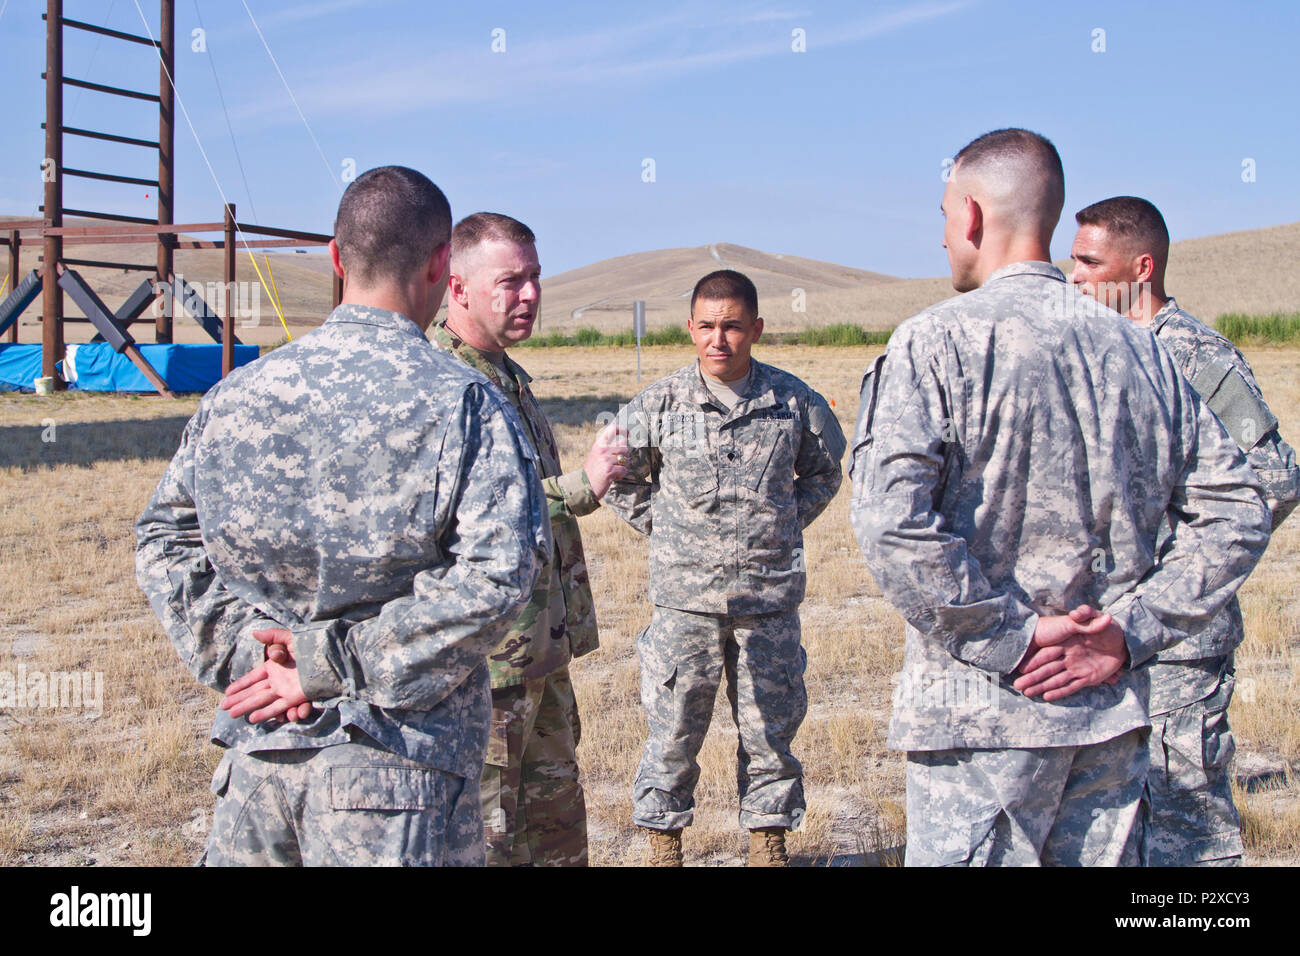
<point>1185,752</point>
<point>946,827</point>
<point>667,679</point>
<point>221,776</point>
<point>1217,745</point>
<point>386,816</point>
<point>981,835</point>
<point>658,681</point>
<point>385,788</point>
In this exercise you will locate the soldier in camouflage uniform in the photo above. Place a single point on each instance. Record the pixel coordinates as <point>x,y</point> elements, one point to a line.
<point>1120,253</point>
<point>1018,449</point>
<point>731,460</point>
<point>533,808</point>
<point>352,523</point>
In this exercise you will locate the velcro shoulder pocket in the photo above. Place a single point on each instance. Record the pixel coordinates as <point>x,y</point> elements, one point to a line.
<point>867,397</point>
<point>1242,411</point>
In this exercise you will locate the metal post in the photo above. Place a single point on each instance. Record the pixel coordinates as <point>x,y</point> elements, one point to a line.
<point>166,155</point>
<point>638,329</point>
<point>228,320</point>
<point>52,172</point>
<point>15,241</point>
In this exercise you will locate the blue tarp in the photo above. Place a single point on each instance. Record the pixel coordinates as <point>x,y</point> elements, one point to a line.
<point>20,366</point>
<point>97,368</point>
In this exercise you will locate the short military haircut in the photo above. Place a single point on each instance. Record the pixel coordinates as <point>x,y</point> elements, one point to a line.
<point>390,221</point>
<point>1131,219</point>
<point>1023,167</point>
<point>727,284</point>
<point>481,227</point>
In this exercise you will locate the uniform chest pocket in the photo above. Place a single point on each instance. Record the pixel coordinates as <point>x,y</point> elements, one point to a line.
<point>692,474</point>
<point>768,449</point>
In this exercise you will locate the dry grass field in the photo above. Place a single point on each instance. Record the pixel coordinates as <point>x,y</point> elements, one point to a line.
<point>129,786</point>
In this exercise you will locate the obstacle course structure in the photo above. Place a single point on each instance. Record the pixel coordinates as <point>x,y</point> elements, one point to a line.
<point>57,275</point>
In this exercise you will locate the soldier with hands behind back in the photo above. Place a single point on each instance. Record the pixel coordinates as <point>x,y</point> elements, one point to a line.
<point>1018,449</point>
<point>350,525</point>
<point>1120,252</point>
<point>731,460</point>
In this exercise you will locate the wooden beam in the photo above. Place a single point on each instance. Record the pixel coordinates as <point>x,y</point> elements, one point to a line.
<point>285,233</point>
<point>105,31</point>
<point>112,90</point>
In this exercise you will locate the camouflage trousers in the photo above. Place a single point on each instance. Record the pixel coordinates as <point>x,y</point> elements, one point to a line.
<point>683,658</point>
<point>352,804</point>
<point>1192,820</point>
<point>1050,806</point>
<point>534,813</point>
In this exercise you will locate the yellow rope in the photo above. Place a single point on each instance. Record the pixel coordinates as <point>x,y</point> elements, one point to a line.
<point>268,292</point>
<point>274,288</point>
<point>3,284</point>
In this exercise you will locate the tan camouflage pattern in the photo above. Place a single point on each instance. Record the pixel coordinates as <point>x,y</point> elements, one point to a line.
<point>348,805</point>
<point>725,496</point>
<point>684,656</point>
<point>560,619</point>
<point>372,495</point>
<point>1191,818</point>
<point>534,813</point>
<point>1223,379</point>
<point>1017,451</point>
<point>1044,806</point>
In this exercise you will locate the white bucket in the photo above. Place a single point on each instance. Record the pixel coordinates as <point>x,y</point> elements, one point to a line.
<point>44,386</point>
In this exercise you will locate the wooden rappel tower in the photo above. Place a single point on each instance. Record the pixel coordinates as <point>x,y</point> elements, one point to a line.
<point>58,275</point>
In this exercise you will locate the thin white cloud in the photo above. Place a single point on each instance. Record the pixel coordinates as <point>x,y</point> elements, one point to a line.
<point>765,16</point>
<point>307,11</point>
<point>681,41</point>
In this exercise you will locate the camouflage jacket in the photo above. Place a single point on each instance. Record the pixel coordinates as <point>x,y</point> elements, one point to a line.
<point>725,496</point>
<point>1017,450</point>
<point>1222,377</point>
<point>377,499</point>
<point>560,620</point>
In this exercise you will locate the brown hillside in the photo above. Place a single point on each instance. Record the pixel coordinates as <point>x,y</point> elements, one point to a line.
<point>1250,271</point>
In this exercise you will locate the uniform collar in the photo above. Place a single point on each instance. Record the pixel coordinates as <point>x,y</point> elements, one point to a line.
<point>1164,315</point>
<point>379,318</point>
<point>760,394</point>
<point>1030,267</point>
<point>476,358</point>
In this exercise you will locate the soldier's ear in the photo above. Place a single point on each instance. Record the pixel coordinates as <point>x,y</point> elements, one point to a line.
<point>1145,267</point>
<point>335,259</point>
<point>974,220</point>
<point>438,263</point>
<point>457,289</point>
<point>758,327</point>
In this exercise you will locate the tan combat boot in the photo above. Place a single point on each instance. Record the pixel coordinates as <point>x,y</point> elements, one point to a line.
<point>767,847</point>
<point>665,847</point>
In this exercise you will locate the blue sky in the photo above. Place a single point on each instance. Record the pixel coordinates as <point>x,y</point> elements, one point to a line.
<point>834,153</point>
